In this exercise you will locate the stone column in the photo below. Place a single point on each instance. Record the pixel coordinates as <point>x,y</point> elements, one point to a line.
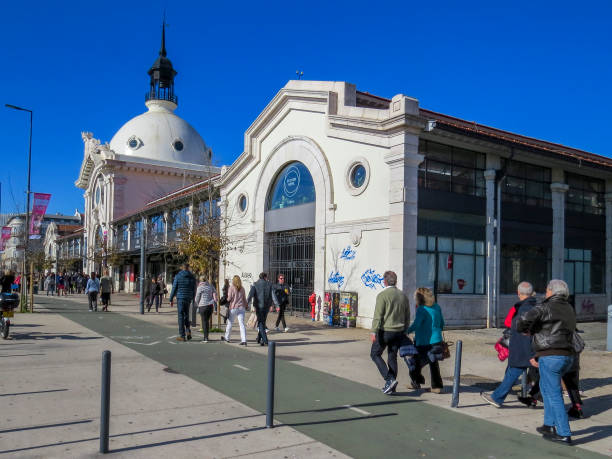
<point>492,288</point>
<point>608,285</point>
<point>403,160</point>
<point>558,236</point>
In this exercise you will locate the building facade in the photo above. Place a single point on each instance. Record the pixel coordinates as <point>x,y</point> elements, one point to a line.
<point>335,186</point>
<point>151,155</point>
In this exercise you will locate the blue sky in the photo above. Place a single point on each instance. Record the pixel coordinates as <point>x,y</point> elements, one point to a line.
<point>541,69</point>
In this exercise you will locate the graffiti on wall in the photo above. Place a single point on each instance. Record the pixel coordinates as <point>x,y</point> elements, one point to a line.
<point>348,253</point>
<point>335,278</point>
<point>588,307</point>
<point>372,279</point>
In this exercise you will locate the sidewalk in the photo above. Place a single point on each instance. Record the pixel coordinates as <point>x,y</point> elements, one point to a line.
<point>50,398</point>
<point>340,352</point>
<point>345,353</point>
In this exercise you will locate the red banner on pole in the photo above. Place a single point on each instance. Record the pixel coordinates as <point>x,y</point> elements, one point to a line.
<point>6,235</point>
<point>39,207</point>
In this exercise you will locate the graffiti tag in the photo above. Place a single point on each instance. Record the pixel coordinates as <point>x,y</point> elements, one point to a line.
<point>371,279</point>
<point>336,278</point>
<point>348,253</point>
<point>588,306</point>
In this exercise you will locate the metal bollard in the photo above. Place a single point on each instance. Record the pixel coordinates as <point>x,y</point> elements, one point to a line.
<point>105,401</point>
<point>271,365</point>
<point>524,384</point>
<point>457,378</point>
<point>609,343</point>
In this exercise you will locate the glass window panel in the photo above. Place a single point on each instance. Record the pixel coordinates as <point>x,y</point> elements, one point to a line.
<point>515,185</point>
<point>463,180</point>
<point>431,243</point>
<point>575,254</point>
<point>587,278</point>
<point>421,243</point>
<point>437,151</point>
<point>293,186</point>
<point>444,274</point>
<point>597,278</point>
<point>464,246</point>
<point>445,244</point>
<point>480,248</point>
<point>587,255</point>
<point>481,160</point>
<point>479,282</point>
<point>438,175</point>
<point>464,157</point>
<point>578,277</point>
<point>568,274</point>
<point>534,189</point>
<point>426,270</point>
<point>534,172</point>
<point>463,274</point>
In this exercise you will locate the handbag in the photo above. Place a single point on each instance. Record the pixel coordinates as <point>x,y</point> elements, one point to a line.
<point>577,343</point>
<point>224,311</point>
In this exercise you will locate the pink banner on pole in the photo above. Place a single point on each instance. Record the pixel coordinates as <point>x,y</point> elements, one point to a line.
<point>39,207</point>
<point>6,235</point>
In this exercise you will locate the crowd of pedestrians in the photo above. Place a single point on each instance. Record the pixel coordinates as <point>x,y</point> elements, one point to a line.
<point>542,339</point>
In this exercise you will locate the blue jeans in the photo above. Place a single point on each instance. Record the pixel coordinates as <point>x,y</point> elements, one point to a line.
<point>182,307</point>
<point>552,368</point>
<point>512,374</point>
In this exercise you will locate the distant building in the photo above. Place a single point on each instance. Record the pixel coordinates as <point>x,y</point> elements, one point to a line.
<point>12,258</point>
<point>152,155</point>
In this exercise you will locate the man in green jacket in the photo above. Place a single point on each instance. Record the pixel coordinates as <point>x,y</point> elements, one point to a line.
<point>391,319</point>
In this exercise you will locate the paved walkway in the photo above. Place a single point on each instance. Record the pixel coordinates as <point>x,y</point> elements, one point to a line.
<point>323,391</point>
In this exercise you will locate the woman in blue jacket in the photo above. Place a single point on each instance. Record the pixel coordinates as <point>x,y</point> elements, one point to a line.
<point>427,327</point>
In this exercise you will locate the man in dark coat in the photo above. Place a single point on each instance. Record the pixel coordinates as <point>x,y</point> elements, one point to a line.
<point>184,288</point>
<point>520,350</point>
<point>281,290</point>
<point>552,324</point>
<point>262,295</point>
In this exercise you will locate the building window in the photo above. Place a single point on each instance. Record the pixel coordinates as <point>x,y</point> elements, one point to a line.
<point>293,186</point>
<point>524,263</point>
<point>157,224</point>
<point>451,169</point>
<point>451,265</point>
<point>526,184</point>
<point>205,210</point>
<point>179,218</point>
<point>584,272</point>
<point>585,194</point>
<point>242,203</point>
<point>178,145</point>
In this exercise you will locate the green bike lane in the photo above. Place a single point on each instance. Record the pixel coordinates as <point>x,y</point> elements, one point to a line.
<point>349,416</point>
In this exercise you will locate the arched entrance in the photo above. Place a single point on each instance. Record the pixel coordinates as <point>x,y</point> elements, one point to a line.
<point>290,229</point>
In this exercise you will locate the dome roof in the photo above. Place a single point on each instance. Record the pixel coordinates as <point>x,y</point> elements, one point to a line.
<point>160,135</point>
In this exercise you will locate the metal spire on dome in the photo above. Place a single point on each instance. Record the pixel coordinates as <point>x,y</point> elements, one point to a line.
<point>162,74</point>
<point>162,51</point>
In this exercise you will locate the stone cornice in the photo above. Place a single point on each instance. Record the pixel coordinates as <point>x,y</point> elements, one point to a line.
<point>399,159</point>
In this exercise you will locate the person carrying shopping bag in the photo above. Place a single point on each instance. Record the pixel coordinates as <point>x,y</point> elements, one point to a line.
<point>236,298</point>
<point>427,327</point>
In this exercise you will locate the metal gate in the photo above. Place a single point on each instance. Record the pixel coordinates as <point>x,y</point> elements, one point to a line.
<point>292,254</point>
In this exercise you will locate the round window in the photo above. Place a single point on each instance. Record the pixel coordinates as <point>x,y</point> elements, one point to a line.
<point>133,143</point>
<point>178,145</point>
<point>358,175</point>
<point>242,203</point>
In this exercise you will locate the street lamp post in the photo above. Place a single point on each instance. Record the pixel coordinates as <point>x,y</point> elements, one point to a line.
<point>24,282</point>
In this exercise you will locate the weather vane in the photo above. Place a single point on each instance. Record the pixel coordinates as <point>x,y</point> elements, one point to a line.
<point>299,74</point>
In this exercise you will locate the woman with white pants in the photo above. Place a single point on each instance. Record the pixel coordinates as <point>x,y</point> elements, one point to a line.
<point>236,299</point>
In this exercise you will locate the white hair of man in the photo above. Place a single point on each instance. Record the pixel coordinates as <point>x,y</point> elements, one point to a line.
<point>558,287</point>
<point>525,288</point>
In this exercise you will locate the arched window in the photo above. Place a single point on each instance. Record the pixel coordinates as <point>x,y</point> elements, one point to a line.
<point>293,186</point>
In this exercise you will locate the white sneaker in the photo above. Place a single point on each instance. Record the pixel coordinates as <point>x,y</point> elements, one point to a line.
<point>286,330</point>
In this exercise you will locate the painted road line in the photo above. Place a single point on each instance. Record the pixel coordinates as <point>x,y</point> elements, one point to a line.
<point>242,368</point>
<point>144,344</point>
<point>358,410</point>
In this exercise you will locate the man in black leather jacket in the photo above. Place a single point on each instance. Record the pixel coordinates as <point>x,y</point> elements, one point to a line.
<point>552,324</point>
<point>262,295</point>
